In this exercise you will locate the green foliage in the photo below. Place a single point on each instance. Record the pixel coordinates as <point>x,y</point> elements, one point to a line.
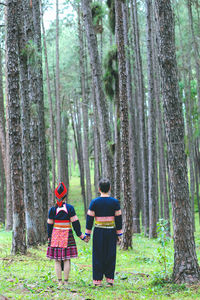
<point>163,238</point>
<point>111,72</point>
<point>111,15</point>
<point>97,15</point>
<point>30,50</point>
<point>108,84</point>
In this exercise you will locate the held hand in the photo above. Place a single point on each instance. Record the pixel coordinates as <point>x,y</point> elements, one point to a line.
<point>86,238</point>
<point>49,242</point>
<point>119,240</point>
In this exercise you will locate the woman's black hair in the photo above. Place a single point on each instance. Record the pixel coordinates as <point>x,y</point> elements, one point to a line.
<point>104,185</point>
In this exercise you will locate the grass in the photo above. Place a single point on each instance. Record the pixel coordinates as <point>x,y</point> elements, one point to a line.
<point>139,271</point>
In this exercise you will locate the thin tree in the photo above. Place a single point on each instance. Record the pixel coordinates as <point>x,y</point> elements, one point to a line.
<point>2,116</point>
<point>186,268</point>
<point>9,205</point>
<point>64,149</point>
<point>142,157</point>
<point>105,132</point>
<point>126,188</point>
<point>152,175</point>
<point>50,111</point>
<point>84,110</point>
<point>76,125</point>
<point>2,214</point>
<point>58,105</point>
<point>132,129</point>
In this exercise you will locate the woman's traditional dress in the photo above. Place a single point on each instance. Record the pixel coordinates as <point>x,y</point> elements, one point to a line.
<point>62,245</point>
<point>108,225</point>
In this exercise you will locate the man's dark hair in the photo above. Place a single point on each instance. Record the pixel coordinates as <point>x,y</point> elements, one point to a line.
<point>104,185</point>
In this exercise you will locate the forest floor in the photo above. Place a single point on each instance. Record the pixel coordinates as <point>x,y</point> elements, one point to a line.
<point>140,273</point>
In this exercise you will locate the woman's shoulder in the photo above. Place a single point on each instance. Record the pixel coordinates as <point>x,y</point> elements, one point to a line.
<point>52,212</point>
<point>53,208</point>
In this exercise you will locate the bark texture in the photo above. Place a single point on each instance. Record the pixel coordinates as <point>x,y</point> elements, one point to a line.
<point>186,268</point>
<point>126,189</point>
<point>142,153</point>
<point>25,122</point>
<point>84,103</point>
<point>41,121</point>
<point>58,106</point>
<point>19,237</point>
<point>51,116</point>
<point>2,213</point>
<point>152,174</point>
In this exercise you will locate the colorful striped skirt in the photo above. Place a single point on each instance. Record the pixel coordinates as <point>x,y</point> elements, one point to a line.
<point>60,253</point>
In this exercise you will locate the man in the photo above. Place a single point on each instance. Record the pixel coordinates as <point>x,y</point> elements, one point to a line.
<point>108,229</point>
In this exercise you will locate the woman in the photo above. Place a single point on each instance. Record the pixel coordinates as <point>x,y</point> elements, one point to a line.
<point>61,243</point>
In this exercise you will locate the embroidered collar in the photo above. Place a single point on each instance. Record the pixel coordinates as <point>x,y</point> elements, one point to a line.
<point>64,208</point>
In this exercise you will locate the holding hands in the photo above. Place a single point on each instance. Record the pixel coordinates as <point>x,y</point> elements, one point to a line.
<point>86,238</point>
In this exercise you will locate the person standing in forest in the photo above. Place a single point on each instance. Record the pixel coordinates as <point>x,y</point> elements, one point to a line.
<point>107,231</point>
<point>61,242</point>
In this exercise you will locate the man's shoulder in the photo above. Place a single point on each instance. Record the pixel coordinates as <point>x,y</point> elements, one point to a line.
<point>114,199</point>
<point>95,200</point>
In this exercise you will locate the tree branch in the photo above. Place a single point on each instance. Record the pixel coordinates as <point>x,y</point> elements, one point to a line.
<point>2,3</point>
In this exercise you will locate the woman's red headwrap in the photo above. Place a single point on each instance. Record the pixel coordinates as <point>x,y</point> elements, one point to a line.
<point>60,192</point>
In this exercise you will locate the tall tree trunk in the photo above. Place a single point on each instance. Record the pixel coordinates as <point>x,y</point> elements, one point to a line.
<point>76,125</point>
<point>197,188</point>
<point>25,122</point>
<point>2,145</point>
<point>186,63</point>
<point>58,116</point>
<point>141,126</point>
<point>51,115</point>
<point>186,267</point>
<point>9,205</point>
<point>136,207</point>
<point>96,139</point>
<point>34,65</point>
<point>164,201</point>
<point>19,236</point>
<point>128,209</point>
<point>132,131</point>
<point>2,213</point>
<point>117,155</point>
<point>105,132</point>
<point>35,174</point>
<point>152,179</point>
<point>190,140</point>
<point>41,121</point>
<point>84,112</point>
<point>196,50</point>
<point>64,150</point>
<point>2,117</point>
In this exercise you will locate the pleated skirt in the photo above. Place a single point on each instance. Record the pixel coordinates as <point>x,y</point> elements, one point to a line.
<point>60,253</point>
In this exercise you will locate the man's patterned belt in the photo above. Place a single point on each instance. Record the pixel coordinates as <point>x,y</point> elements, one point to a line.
<point>107,225</point>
